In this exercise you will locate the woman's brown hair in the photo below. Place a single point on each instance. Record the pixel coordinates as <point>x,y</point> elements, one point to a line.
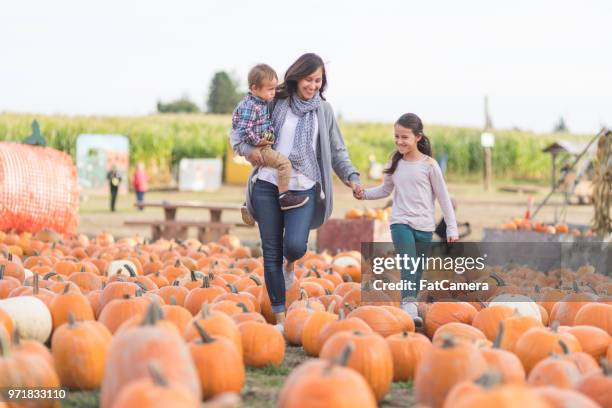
<point>414,123</point>
<point>301,68</point>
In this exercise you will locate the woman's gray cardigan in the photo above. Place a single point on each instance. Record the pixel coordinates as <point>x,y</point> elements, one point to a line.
<point>331,154</point>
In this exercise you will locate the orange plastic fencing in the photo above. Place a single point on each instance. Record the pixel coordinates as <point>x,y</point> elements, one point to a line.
<point>38,188</point>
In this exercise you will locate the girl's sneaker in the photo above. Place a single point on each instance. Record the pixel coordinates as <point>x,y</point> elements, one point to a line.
<point>288,275</point>
<point>411,308</point>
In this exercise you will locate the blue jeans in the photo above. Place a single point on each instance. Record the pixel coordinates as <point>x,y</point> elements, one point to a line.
<point>413,243</point>
<point>283,233</point>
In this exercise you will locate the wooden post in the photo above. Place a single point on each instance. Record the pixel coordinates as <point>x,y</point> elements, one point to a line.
<point>487,168</point>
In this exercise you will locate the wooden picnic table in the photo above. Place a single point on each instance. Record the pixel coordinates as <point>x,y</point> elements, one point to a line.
<point>170,227</point>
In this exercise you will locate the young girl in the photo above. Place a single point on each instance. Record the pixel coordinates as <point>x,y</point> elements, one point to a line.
<point>416,180</point>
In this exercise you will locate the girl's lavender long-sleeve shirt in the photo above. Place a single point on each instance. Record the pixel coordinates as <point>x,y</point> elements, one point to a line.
<point>415,186</point>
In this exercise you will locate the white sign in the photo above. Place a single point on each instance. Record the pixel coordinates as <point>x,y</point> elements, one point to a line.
<point>487,139</point>
<point>200,174</point>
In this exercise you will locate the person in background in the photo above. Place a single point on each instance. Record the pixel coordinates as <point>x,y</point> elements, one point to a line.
<point>114,181</point>
<point>141,183</point>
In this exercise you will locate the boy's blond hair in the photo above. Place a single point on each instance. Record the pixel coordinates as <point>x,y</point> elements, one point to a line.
<point>260,73</point>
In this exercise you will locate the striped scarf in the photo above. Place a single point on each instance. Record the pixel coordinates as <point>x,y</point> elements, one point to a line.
<point>302,156</point>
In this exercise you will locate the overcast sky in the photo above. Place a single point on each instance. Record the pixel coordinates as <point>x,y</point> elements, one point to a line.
<point>537,60</point>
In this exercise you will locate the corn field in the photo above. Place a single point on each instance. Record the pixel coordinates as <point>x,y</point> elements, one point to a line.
<point>161,141</point>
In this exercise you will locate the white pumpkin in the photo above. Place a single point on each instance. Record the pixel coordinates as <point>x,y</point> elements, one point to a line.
<point>524,305</point>
<point>30,315</point>
<point>345,259</point>
<point>119,268</point>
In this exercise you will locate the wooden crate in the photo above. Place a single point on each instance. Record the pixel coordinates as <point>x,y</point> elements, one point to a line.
<point>342,235</point>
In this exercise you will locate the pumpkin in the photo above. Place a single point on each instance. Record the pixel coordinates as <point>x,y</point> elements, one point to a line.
<point>319,382</point>
<point>353,214</point>
<point>121,267</point>
<point>130,352</point>
<point>87,340</point>
<point>511,395</point>
<point>66,303</point>
<point>537,343</point>
<point>507,364</point>
<point>312,328</point>
<point>554,371</point>
<point>371,358</point>
<point>215,323</point>
<point>563,398</point>
<point>217,355</point>
<point>598,385</point>
<point>440,313</point>
<point>6,322</point>
<point>351,324</point>
<point>32,347</point>
<point>595,314</point>
<point>155,391</point>
<point>514,327</point>
<point>459,332</point>
<point>294,324</point>
<point>487,320</point>
<point>407,350</point>
<point>21,369</point>
<point>118,311</point>
<point>593,340</point>
<point>379,319</point>
<point>443,367</point>
<point>565,310</point>
<point>30,315</point>
<point>262,344</point>
<point>524,305</point>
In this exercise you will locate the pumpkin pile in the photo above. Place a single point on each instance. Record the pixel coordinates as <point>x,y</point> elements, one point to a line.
<point>522,224</point>
<point>381,214</point>
<point>175,323</point>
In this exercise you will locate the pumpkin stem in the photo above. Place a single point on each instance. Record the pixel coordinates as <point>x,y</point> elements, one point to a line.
<point>575,287</point>
<point>303,294</point>
<point>156,374</point>
<point>177,263</point>
<point>172,300</point>
<point>327,291</point>
<point>345,355</point>
<point>193,276</point>
<point>243,307</point>
<point>2,267</point>
<point>564,347</point>
<point>606,366</point>
<point>203,333</point>
<point>448,341</point>
<point>176,283</point>
<point>341,314</point>
<point>82,268</point>
<point>66,289</point>
<point>205,282</point>
<point>141,286</point>
<point>590,286</point>
<point>537,289</point>
<point>554,326</point>
<point>232,288</point>
<point>498,279</point>
<point>489,379</point>
<point>130,270</point>
<point>346,277</point>
<point>71,320</point>
<point>35,283</point>
<point>49,275</point>
<point>152,315</point>
<point>331,307</point>
<point>126,296</point>
<point>5,350</point>
<point>500,336</point>
<point>255,279</point>
<point>16,336</point>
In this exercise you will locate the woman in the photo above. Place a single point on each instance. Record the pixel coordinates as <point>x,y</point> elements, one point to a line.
<point>307,133</point>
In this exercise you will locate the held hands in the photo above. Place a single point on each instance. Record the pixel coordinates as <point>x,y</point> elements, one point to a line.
<point>358,191</point>
<point>450,240</point>
<point>255,158</point>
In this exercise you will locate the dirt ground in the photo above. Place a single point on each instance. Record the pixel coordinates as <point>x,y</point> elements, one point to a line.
<point>480,208</point>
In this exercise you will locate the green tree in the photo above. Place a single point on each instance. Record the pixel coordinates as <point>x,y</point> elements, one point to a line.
<point>180,105</point>
<point>223,94</point>
<point>560,126</point>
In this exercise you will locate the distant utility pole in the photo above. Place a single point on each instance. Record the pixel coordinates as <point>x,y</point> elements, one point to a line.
<point>487,140</point>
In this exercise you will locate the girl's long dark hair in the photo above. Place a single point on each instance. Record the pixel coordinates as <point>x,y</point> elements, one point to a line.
<point>414,123</point>
<point>301,68</point>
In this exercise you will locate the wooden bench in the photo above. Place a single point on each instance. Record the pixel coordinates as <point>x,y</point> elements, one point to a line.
<point>207,230</point>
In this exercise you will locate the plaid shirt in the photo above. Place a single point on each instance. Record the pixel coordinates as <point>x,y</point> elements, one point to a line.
<point>251,119</point>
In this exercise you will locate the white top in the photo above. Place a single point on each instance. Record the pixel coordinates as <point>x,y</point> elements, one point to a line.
<point>298,181</point>
<point>415,186</point>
